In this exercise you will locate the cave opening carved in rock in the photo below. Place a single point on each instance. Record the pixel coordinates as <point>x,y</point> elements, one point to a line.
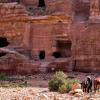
<point>63,49</point>
<point>42,54</point>
<point>41,3</point>
<point>2,54</point>
<point>3,42</point>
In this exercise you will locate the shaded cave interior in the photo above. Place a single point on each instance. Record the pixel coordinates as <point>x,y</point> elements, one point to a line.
<point>42,54</point>
<point>63,49</point>
<point>3,43</point>
<point>41,3</point>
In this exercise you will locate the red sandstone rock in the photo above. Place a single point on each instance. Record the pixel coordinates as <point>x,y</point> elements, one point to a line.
<point>76,86</point>
<point>52,33</point>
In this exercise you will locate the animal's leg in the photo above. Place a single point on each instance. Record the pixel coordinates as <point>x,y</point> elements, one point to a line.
<point>91,89</point>
<point>87,89</point>
<point>83,89</point>
<point>98,86</point>
<point>95,87</point>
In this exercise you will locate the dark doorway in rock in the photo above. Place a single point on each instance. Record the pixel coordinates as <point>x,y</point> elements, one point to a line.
<point>3,42</point>
<point>2,54</point>
<point>64,47</point>
<point>56,54</point>
<point>42,54</point>
<point>41,3</point>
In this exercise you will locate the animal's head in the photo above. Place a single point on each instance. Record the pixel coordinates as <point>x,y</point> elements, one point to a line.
<point>89,79</point>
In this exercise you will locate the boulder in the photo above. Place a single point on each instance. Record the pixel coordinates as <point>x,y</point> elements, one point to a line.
<point>76,92</point>
<point>76,86</point>
<point>43,97</point>
<point>78,95</point>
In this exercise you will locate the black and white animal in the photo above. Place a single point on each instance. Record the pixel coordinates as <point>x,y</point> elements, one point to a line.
<point>86,85</point>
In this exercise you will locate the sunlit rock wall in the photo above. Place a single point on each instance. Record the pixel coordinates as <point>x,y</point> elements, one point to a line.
<point>52,6</point>
<point>39,33</point>
<point>86,49</point>
<point>11,25</point>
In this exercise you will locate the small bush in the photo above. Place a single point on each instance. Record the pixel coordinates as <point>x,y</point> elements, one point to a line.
<point>59,83</point>
<point>55,84</point>
<point>70,84</point>
<point>23,84</point>
<point>62,88</point>
<point>3,77</point>
<point>58,80</point>
<point>74,81</point>
<point>60,75</point>
<point>68,87</point>
<point>65,88</point>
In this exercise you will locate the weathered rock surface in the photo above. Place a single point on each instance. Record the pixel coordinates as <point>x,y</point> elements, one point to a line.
<point>37,87</point>
<point>67,29</point>
<point>76,86</point>
<point>25,94</point>
<point>16,63</point>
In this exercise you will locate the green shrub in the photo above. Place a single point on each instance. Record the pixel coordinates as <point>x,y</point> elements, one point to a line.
<point>23,84</point>
<point>58,80</point>
<point>70,83</point>
<point>55,84</point>
<point>3,77</point>
<point>59,83</point>
<point>60,74</point>
<point>74,81</point>
<point>65,88</point>
<point>62,88</point>
<point>68,87</point>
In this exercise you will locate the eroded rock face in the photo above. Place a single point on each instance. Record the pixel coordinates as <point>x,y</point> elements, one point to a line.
<point>15,63</point>
<point>49,30</point>
<point>11,9</point>
<point>86,48</point>
<point>8,27</point>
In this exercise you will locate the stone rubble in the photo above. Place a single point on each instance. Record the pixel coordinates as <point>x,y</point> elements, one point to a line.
<point>36,92</point>
<point>32,93</point>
